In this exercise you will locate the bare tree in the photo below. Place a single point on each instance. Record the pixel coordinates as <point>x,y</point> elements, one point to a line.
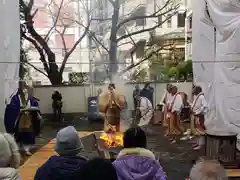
<point>165,11</point>
<point>61,22</point>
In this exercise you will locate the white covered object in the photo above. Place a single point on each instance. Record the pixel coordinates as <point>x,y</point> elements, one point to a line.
<point>10,52</point>
<point>219,74</point>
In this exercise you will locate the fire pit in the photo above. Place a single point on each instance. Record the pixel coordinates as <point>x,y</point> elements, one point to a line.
<point>109,145</point>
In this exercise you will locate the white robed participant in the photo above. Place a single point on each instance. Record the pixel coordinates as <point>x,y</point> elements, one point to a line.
<point>146,111</point>
<point>165,101</point>
<point>198,110</point>
<point>173,115</point>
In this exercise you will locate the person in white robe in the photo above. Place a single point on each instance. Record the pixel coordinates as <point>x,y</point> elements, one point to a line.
<point>174,111</point>
<point>199,109</point>
<point>165,101</point>
<point>146,111</point>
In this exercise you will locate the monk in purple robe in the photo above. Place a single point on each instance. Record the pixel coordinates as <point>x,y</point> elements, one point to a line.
<point>22,119</point>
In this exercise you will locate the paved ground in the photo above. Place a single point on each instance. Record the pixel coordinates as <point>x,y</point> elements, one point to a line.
<point>175,158</point>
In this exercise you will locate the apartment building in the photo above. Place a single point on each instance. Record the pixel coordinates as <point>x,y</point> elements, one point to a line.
<point>188,31</point>
<point>89,53</point>
<point>173,28</point>
<point>70,12</point>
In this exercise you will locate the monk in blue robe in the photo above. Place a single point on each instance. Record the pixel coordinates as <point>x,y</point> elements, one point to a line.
<point>22,119</point>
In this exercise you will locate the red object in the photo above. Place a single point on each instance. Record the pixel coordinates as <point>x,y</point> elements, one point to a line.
<point>201,121</point>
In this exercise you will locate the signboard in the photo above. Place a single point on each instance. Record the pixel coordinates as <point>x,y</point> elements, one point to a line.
<point>93,110</point>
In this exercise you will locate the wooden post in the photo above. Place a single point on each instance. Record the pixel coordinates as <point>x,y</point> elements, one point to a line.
<point>222,147</point>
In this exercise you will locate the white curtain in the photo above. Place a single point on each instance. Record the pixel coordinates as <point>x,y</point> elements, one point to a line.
<point>221,78</point>
<point>9,52</point>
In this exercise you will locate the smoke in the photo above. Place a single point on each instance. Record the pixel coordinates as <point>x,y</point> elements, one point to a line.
<point>126,115</point>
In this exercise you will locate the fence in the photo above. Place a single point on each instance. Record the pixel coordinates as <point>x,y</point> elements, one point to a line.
<point>75,97</point>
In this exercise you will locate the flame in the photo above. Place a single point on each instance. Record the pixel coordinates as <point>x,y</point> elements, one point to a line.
<point>112,139</point>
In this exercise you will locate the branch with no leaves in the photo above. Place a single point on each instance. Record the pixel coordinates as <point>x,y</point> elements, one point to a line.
<point>40,51</point>
<point>145,58</point>
<point>74,47</point>
<point>29,25</point>
<point>55,19</point>
<point>101,20</point>
<point>156,14</point>
<point>144,30</point>
<point>93,36</point>
<point>62,38</point>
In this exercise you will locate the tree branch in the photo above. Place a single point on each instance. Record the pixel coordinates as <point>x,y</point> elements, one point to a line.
<point>143,30</point>
<point>97,19</point>
<point>153,15</point>
<point>34,67</point>
<point>55,20</point>
<point>30,4</point>
<point>28,63</point>
<point>98,41</point>
<point>29,25</point>
<point>144,59</point>
<point>40,51</point>
<point>130,36</point>
<point>62,38</point>
<point>74,47</point>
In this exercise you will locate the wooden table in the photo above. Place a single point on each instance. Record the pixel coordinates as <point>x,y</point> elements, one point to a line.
<point>233,172</point>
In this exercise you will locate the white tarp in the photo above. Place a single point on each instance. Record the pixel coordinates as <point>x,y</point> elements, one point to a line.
<point>9,50</point>
<point>221,58</point>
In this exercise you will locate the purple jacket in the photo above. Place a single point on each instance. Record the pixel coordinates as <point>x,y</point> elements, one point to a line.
<point>138,164</point>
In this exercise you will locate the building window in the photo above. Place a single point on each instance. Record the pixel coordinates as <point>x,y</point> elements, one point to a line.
<point>121,31</point>
<point>169,21</point>
<point>68,69</point>
<point>140,11</point>
<point>181,19</point>
<point>101,30</point>
<point>160,21</point>
<point>190,22</point>
<point>104,57</point>
<point>141,22</point>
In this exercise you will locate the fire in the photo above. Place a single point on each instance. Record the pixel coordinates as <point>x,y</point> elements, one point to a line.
<point>112,139</point>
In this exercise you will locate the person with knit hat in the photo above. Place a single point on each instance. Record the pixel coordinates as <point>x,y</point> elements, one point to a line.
<point>9,158</point>
<point>135,162</point>
<point>69,159</point>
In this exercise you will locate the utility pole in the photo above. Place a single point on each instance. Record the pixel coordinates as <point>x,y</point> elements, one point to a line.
<point>186,31</point>
<point>79,34</point>
<point>89,45</point>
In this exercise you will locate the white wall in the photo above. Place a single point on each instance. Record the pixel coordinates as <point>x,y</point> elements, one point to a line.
<point>10,52</point>
<point>75,97</point>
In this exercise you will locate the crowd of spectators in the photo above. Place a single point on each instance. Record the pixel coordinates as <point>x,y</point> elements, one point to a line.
<point>134,162</point>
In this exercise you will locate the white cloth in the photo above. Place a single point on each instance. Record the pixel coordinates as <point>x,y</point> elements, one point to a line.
<point>177,103</point>
<point>167,97</point>
<point>146,109</point>
<point>9,174</point>
<point>199,105</point>
<point>9,152</point>
<point>10,52</point>
<point>216,62</point>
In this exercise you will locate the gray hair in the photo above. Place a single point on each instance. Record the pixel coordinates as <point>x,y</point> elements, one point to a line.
<point>208,170</point>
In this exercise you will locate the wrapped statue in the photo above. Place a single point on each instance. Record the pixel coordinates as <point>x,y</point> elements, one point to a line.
<point>111,104</point>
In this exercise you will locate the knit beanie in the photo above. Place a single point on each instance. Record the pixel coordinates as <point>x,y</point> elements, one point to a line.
<point>68,142</point>
<point>9,152</point>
